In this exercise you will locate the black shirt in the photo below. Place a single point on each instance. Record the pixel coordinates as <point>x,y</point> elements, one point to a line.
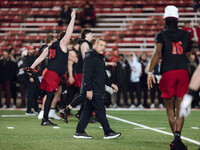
<point>79,68</point>
<point>57,59</point>
<point>94,74</point>
<point>175,45</point>
<point>74,64</point>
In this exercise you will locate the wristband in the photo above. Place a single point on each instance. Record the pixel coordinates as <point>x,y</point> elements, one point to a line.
<point>150,73</point>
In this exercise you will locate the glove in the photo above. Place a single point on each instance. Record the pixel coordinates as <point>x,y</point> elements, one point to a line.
<point>185,106</point>
<point>30,70</point>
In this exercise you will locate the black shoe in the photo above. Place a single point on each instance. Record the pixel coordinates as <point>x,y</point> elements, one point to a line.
<point>66,113</point>
<point>47,123</point>
<point>92,120</point>
<point>77,115</point>
<point>30,113</point>
<point>82,136</point>
<point>178,145</point>
<point>112,135</point>
<point>171,145</point>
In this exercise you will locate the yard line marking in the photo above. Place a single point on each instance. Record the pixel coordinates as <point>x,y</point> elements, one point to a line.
<point>14,116</point>
<point>195,127</point>
<point>10,127</point>
<point>156,130</point>
<point>56,127</point>
<point>145,128</point>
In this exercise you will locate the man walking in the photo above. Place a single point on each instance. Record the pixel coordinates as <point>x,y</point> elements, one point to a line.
<point>93,87</point>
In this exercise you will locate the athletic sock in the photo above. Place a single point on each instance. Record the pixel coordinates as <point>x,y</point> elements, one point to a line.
<point>177,134</point>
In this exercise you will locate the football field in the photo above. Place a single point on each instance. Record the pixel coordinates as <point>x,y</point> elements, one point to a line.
<point>141,130</point>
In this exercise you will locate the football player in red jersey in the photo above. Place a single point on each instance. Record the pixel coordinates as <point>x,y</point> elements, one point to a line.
<point>57,65</point>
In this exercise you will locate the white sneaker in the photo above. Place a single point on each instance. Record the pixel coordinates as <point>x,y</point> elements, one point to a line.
<point>161,106</point>
<point>4,106</point>
<point>141,106</point>
<point>41,114</point>
<point>132,106</point>
<point>52,114</point>
<point>152,106</point>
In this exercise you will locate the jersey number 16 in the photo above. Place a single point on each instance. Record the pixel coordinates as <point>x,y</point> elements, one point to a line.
<point>177,48</point>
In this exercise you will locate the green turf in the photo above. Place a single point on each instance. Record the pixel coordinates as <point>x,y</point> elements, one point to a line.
<point>29,135</point>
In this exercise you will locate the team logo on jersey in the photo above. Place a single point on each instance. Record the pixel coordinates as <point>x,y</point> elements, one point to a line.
<point>177,48</point>
<point>52,53</point>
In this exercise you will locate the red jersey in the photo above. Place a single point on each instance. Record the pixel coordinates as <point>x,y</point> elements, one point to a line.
<point>190,31</point>
<point>198,34</point>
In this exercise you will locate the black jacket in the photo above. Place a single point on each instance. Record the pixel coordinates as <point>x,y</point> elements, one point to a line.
<point>121,73</point>
<point>5,70</point>
<point>94,74</point>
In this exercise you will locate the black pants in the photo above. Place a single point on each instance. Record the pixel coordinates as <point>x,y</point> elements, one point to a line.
<point>135,86</point>
<point>6,86</point>
<point>97,105</point>
<point>122,88</point>
<point>78,100</point>
<point>144,89</point>
<point>153,93</point>
<point>47,105</point>
<point>68,98</point>
<point>32,97</point>
<point>13,91</point>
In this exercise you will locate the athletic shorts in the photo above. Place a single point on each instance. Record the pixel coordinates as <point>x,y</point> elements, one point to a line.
<point>174,83</point>
<point>50,80</point>
<point>78,80</point>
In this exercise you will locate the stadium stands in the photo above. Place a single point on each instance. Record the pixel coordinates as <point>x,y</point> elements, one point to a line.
<point>130,25</point>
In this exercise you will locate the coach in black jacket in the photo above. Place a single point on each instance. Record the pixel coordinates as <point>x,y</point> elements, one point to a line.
<point>93,87</point>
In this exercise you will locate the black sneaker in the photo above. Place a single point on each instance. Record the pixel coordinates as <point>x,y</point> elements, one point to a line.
<point>66,113</point>
<point>112,135</point>
<point>92,120</point>
<point>47,123</point>
<point>171,145</point>
<point>77,115</point>
<point>81,136</point>
<point>178,145</point>
<point>30,113</point>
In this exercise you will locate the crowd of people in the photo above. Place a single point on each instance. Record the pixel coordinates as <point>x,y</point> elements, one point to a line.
<point>129,73</point>
<point>85,16</point>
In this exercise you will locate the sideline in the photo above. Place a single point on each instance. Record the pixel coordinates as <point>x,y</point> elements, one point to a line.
<point>153,129</point>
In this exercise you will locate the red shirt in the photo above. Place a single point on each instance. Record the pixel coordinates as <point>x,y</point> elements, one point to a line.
<point>113,58</point>
<point>198,34</point>
<point>190,31</point>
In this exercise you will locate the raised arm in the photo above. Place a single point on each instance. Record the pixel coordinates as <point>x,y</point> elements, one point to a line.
<point>40,58</point>
<point>69,31</point>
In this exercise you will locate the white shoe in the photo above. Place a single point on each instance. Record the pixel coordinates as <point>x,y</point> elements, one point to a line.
<point>41,114</point>
<point>132,106</point>
<point>161,106</point>
<point>141,106</point>
<point>14,106</point>
<point>52,114</point>
<point>152,106</point>
<point>4,106</point>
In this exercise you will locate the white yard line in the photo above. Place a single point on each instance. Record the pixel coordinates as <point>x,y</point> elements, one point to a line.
<point>156,130</point>
<point>14,116</point>
<point>145,128</point>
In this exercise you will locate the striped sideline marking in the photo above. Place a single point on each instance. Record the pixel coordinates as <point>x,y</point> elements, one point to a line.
<point>156,130</point>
